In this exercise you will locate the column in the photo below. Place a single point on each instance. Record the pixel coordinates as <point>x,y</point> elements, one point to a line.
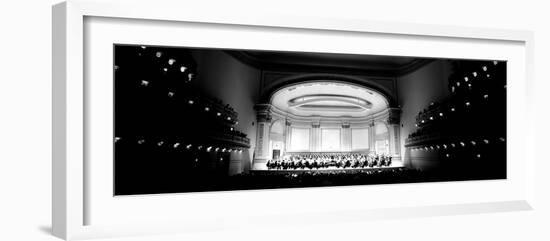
<point>345,137</point>
<point>288,135</point>
<point>315,140</point>
<point>393,121</point>
<point>261,152</point>
<point>372,136</point>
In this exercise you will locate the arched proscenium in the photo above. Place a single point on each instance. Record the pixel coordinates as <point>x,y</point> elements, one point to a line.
<point>269,91</point>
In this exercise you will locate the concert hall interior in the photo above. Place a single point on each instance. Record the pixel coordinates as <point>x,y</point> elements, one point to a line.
<point>196,119</point>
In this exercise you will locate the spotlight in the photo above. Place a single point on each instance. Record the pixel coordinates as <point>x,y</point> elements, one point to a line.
<point>474,74</point>
<point>473,143</point>
<point>228,118</point>
<point>465,79</point>
<point>453,145</point>
<point>486,141</point>
<point>469,85</point>
<point>431,118</point>
<point>189,146</point>
<point>165,69</point>
<point>488,76</point>
<point>117,139</point>
<point>440,114</point>
<point>143,47</point>
<point>478,155</point>
<point>206,109</point>
<point>141,141</point>
<point>422,121</point>
<point>223,150</point>
<point>183,68</point>
<point>231,128</point>
<point>484,68</point>
<point>176,144</point>
<point>217,148</point>
<point>444,146</point>
<point>495,62</point>
<point>485,96</point>
<point>437,146</point>
<point>170,94</point>
<point>199,147</point>
<point>467,103</point>
<point>458,84</point>
<point>447,155</point>
<point>190,102</point>
<point>416,125</point>
<point>453,109</point>
<point>462,144</point>
<point>144,82</point>
<point>158,54</point>
<point>218,114</point>
<point>236,122</point>
<point>502,139</point>
<point>171,61</point>
<point>208,149</point>
<point>190,77</point>
<point>240,151</point>
<point>160,143</point>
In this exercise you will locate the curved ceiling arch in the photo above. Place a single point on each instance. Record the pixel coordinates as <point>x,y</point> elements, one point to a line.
<point>328,98</point>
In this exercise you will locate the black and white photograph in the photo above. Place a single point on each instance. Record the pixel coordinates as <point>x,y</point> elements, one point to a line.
<point>199,119</point>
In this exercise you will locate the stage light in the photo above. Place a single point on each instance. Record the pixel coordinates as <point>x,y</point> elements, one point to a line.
<point>170,94</point>
<point>495,62</point>
<point>488,75</point>
<point>431,118</point>
<point>141,141</point>
<point>190,102</point>
<point>422,121</point>
<point>478,155</point>
<point>485,96</point>
<point>190,77</point>
<point>453,145</point>
<point>467,103</point>
<point>437,146</point>
<point>473,143</point>
<point>208,149</point>
<point>458,83</point>
<point>236,122</point>
<point>189,146</point>
<point>183,68</point>
<point>484,68</point>
<point>196,159</point>
<point>440,114</point>
<point>117,139</point>
<point>160,143</point>
<point>223,150</point>
<point>240,151</point>
<point>453,109</point>
<point>176,145</point>
<point>465,79</point>
<point>217,148</point>
<point>486,141</point>
<point>218,114</point>
<point>462,144</point>
<point>416,125</point>
<point>447,155</point>
<point>171,61</point>
<point>469,85</point>
<point>143,47</point>
<point>228,118</point>
<point>444,146</point>
<point>144,82</point>
<point>502,139</point>
<point>199,147</point>
<point>231,129</point>
<point>206,109</point>
<point>165,69</point>
<point>475,74</point>
<point>158,54</point>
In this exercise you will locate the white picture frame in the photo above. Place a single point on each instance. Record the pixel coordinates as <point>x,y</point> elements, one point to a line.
<point>73,193</point>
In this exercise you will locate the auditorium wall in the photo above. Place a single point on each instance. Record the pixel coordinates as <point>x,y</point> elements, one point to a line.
<point>223,77</point>
<point>416,91</point>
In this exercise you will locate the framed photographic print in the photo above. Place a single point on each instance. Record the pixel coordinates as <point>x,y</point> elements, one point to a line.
<point>167,123</point>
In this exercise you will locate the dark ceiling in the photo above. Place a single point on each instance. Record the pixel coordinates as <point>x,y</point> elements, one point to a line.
<point>327,62</point>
